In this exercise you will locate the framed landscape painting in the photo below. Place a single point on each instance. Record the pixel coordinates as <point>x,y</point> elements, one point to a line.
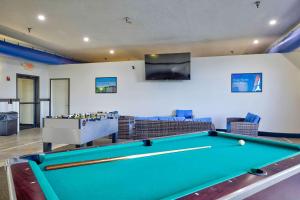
<point>106,85</point>
<point>246,82</point>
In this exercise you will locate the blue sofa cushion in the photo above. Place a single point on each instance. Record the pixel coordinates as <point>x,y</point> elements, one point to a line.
<point>188,114</point>
<point>166,118</point>
<point>179,119</point>
<point>204,119</point>
<point>146,118</point>
<point>252,118</point>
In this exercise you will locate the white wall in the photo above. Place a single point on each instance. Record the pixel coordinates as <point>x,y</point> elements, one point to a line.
<point>208,92</point>
<point>11,66</point>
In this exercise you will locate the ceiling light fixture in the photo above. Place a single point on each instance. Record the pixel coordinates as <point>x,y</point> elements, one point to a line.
<point>127,20</point>
<point>257,4</point>
<point>272,22</point>
<point>111,51</point>
<point>255,41</point>
<point>86,39</point>
<point>41,17</point>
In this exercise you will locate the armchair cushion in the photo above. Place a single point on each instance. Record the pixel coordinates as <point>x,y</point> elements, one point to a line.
<point>178,118</point>
<point>206,119</point>
<point>252,118</point>
<point>188,114</point>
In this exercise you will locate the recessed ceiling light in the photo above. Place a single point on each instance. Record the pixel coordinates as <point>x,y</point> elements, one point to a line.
<point>255,41</point>
<point>272,22</point>
<point>111,51</point>
<point>86,39</point>
<point>41,17</point>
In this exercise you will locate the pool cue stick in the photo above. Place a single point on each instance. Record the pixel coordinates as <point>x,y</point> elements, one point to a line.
<point>105,160</point>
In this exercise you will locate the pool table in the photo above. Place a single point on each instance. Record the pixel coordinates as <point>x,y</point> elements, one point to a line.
<point>205,165</point>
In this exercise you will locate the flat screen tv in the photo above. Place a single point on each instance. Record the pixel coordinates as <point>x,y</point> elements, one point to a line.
<point>176,66</point>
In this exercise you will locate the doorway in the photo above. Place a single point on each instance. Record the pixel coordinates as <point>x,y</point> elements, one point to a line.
<point>60,96</point>
<point>28,93</point>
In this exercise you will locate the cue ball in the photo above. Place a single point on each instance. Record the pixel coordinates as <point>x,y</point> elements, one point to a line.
<point>242,142</point>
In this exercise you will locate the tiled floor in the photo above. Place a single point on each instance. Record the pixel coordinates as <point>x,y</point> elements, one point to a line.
<point>26,142</point>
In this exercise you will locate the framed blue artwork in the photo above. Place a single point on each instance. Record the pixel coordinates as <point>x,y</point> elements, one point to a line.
<point>246,82</point>
<point>106,85</point>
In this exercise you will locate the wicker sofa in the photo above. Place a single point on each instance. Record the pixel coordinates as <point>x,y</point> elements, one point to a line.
<point>150,128</point>
<point>130,128</point>
<point>126,127</point>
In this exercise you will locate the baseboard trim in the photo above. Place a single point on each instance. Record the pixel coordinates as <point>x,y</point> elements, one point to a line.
<point>285,135</point>
<point>273,134</point>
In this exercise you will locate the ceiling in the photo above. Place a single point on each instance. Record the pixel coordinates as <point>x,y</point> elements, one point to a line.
<point>203,27</point>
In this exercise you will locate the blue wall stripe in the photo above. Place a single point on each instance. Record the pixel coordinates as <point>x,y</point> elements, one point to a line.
<point>33,55</point>
<point>287,44</point>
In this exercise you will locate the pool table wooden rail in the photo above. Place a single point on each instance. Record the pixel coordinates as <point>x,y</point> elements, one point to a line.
<point>24,185</point>
<point>231,189</point>
<point>22,180</point>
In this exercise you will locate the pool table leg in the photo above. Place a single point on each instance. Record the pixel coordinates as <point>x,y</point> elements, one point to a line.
<point>79,145</point>
<point>114,138</point>
<point>47,146</point>
<point>89,143</point>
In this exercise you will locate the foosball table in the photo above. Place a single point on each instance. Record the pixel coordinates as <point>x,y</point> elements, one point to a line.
<point>78,131</point>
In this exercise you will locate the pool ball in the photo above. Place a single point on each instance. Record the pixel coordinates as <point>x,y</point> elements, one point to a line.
<point>242,142</point>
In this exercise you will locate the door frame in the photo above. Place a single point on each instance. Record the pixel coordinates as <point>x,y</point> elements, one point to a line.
<point>36,102</point>
<point>50,106</point>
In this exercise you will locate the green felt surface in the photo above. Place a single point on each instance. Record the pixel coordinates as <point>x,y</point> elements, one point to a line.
<point>158,177</point>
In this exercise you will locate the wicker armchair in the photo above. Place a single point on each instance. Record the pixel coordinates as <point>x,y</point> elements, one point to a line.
<point>242,126</point>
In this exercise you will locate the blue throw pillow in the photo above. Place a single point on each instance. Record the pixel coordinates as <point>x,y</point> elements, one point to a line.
<point>249,118</point>
<point>184,113</point>
<point>256,120</point>
<point>252,118</point>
